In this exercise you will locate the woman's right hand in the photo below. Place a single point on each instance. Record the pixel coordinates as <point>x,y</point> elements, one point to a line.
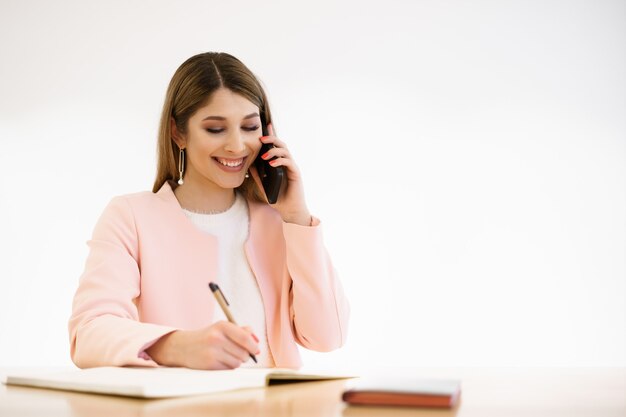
<point>222,345</point>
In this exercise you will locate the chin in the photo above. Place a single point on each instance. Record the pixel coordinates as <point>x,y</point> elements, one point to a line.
<point>230,184</point>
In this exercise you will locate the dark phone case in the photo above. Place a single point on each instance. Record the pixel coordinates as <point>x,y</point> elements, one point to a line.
<point>271,177</point>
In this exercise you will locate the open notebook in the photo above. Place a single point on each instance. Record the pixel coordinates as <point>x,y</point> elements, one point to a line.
<point>160,382</point>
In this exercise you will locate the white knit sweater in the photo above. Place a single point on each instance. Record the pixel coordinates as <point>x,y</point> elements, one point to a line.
<point>235,277</point>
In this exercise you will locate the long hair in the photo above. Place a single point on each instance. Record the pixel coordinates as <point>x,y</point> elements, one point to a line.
<point>191,88</point>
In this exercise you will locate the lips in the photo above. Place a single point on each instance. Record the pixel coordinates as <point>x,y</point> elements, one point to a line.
<point>230,164</point>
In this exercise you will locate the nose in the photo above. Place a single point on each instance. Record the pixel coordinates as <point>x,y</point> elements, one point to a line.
<point>234,142</point>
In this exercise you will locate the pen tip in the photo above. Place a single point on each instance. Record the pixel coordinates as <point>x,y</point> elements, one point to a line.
<point>213,286</point>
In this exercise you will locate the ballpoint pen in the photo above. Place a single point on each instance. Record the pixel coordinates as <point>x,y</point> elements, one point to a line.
<point>221,300</point>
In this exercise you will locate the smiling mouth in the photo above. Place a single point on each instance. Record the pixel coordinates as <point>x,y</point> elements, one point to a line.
<point>231,163</point>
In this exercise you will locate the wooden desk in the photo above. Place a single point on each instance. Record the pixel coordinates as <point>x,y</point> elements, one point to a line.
<point>535,392</point>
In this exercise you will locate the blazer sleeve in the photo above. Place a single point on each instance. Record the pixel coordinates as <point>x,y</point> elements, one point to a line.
<point>104,327</point>
<point>319,307</point>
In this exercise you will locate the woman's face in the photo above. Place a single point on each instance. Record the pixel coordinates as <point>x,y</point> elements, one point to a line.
<point>222,140</point>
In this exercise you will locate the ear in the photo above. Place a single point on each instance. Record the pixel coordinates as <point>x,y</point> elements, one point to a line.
<point>176,136</point>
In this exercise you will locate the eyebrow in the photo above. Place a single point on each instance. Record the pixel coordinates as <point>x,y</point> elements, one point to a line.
<point>250,116</point>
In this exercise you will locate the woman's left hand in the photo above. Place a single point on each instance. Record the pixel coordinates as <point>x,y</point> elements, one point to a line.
<point>290,204</point>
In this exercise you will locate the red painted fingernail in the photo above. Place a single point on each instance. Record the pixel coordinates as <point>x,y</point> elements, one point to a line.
<point>265,155</point>
<point>256,339</point>
<point>274,162</point>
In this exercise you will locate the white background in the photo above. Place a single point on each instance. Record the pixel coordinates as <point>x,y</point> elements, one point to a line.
<point>468,160</point>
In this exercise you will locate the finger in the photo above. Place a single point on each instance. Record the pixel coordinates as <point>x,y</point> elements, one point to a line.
<point>242,338</point>
<point>273,140</point>
<point>270,129</point>
<point>228,361</point>
<point>285,162</point>
<point>227,355</point>
<point>220,364</point>
<point>236,352</point>
<point>251,331</point>
<point>276,152</point>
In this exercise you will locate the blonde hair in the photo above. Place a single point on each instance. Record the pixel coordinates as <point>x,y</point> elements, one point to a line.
<point>191,88</point>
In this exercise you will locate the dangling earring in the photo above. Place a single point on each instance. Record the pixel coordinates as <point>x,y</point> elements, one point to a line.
<point>247,174</point>
<point>181,166</point>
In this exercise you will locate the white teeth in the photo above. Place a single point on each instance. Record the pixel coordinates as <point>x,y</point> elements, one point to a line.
<point>231,162</point>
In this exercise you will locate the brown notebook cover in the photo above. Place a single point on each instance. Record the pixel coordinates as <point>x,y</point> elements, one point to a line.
<point>402,391</point>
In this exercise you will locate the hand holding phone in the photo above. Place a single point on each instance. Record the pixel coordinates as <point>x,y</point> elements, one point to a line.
<point>271,177</point>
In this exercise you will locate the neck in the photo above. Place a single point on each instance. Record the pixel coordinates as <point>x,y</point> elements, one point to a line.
<point>204,197</point>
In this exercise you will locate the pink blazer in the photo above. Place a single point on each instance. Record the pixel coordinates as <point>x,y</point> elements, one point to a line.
<point>147,273</point>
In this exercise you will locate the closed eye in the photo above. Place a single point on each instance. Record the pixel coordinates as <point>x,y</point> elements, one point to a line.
<point>247,129</point>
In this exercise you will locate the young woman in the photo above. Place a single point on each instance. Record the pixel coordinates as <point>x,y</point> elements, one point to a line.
<point>143,298</point>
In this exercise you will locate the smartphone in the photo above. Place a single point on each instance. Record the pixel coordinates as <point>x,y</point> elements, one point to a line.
<point>271,177</point>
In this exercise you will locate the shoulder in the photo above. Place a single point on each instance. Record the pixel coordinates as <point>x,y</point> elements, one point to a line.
<point>127,202</point>
<point>138,198</point>
<point>146,200</point>
<point>125,208</point>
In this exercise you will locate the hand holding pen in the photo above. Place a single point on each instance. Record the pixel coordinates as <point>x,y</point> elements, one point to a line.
<point>222,345</point>
<point>221,300</point>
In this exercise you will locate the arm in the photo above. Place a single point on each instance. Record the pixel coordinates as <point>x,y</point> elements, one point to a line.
<point>319,308</point>
<point>104,326</point>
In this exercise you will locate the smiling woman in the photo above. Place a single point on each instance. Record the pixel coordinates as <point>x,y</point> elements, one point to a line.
<point>143,298</point>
